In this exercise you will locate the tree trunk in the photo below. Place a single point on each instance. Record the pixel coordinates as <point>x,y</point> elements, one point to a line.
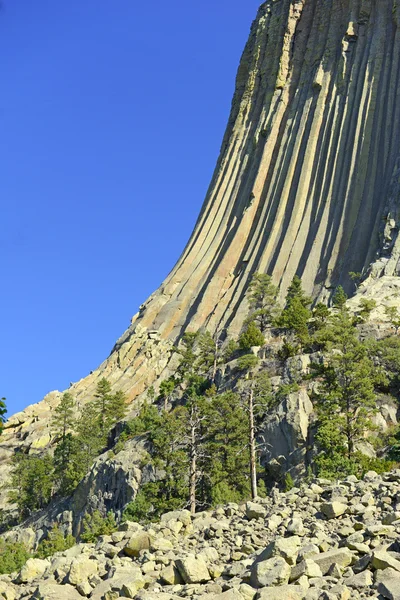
<point>253,467</point>
<point>214,373</point>
<point>193,469</point>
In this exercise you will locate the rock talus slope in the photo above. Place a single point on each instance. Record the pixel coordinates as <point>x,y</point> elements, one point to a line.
<point>322,541</point>
<point>307,182</point>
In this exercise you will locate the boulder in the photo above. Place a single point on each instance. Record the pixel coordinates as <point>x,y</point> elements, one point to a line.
<point>307,567</point>
<point>255,511</point>
<point>53,591</point>
<point>7,591</point>
<point>184,516</point>
<point>340,556</point>
<point>33,569</point>
<point>383,560</point>
<point>193,570</point>
<point>332,510</point>
<point>288,548</point>
<point>138,542</point>
<point>283,592</point>
<point>388,584</point>
<point>82,568</point>
<point>274,571</point>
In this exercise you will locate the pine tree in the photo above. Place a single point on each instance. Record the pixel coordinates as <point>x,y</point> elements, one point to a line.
<point>367,305</point>
<point>346,398</point>
<point>257,397</point>
<point>262,298</point>
<point>339,298</point>
<point>188,357</point>
<point>90,440</point>
<point>62,423</point>
<point>3,410</point>
<point>210,354</point>
<point>250,337</point>
<point>110,408</point>
<point>101,404</point>
<point>296,314</point>
<point>393,314</point>
<point>167,388</point>
<point>31,482</point>
<point>227,450</point>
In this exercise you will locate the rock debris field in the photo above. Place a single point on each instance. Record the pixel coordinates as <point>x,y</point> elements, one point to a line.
<point>320,541</point>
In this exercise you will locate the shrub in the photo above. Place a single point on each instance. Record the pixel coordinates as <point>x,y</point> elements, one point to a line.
<point>251,336</point>
<point>55,542</point>
<point>95,525</point>
<point>13,555</point>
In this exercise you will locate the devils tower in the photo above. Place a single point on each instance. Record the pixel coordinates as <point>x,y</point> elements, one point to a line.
<point>307,178</point>
<point>307,183</point>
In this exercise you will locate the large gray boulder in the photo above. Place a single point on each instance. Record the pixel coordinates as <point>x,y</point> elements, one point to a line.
<point>193,570</point>
<point>274,571</point>
<point>53,591</point>
<point>287,433</point>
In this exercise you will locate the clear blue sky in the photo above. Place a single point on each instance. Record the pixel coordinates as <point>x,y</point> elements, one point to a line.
<point>111,119</point>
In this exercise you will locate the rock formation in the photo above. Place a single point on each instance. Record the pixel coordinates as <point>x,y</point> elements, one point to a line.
<point>307,182</point>
<point>321,541</point>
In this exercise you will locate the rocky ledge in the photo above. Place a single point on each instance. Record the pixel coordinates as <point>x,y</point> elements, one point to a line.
<point>322,541</point>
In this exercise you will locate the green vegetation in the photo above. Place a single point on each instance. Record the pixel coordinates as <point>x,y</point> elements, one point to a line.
<point>13,556</point>
<point>3,410</point>
<point>296,315</point>
<point>250,337</point>
<point>204,444</point>
<point>262,298</point>
<point>55,541</point>
<point>95,525</point>
<point>37,478</point>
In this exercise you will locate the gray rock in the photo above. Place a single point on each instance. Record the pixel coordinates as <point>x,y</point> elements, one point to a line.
<point>193,570</point>
<point>255,511</point>
<point>283,592</point>
<point>342,557</point>
<point>53,591</point>
<point>274,571</point>
<point>332,510</point>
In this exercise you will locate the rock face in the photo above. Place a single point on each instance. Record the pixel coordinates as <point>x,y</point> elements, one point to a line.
<point>225,554</point>
<point>307,182</point>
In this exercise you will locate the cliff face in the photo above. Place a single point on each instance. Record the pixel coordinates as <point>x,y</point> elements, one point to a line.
<point>307,182</point>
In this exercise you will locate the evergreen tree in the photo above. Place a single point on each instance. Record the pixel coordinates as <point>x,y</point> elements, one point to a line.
<point>101,404</point>
<point>13,555</point>
<point>262,298</point>
<point>250,337</point>
<point>257,398</point>
<point>296,314</point>
<point>210,354</point>
<point>3,410</point>
<point>95,525</point>
<point>394,317</point>
<point>367,305</point>
<point>339,298</point>
<point>31,482</point>
<point>346,399</point>
<point>90,440</point>
<point>167,389</point>
<point>110,408</point>
<point>62,423</point>
<point>320,315</point>
<point>188,361</point>
<point>227,450</point>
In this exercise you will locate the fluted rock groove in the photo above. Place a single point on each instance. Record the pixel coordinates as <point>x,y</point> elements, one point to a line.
<point>307,182</point>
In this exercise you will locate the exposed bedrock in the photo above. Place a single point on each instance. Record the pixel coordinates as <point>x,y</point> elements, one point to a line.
<point>307,182</point>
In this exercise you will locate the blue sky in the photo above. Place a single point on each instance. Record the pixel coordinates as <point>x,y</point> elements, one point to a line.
<point>111,118</point>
